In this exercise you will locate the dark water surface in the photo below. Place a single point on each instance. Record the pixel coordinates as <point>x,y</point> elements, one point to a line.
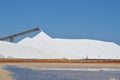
<point>31,74</point>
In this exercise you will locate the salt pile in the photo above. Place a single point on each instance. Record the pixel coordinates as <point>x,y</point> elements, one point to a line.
<point>43,46</point>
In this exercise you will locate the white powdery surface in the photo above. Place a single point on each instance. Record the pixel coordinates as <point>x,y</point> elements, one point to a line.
<point>71,48</point>
<point>12,50</point>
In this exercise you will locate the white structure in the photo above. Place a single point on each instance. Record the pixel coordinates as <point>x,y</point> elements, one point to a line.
<point>43,46</point>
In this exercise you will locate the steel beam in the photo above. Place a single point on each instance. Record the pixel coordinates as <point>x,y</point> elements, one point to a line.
<point>11,37</point>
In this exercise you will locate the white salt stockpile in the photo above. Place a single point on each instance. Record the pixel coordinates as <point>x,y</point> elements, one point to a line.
<point>43,46</point>
<point>72,48</point>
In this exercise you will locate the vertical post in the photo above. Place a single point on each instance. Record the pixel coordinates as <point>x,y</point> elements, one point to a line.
<point>86,56</point>
<point>11,39</point>
<point>98,56</point>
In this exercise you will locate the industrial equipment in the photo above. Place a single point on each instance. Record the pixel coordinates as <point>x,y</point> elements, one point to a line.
<point>11,37</point>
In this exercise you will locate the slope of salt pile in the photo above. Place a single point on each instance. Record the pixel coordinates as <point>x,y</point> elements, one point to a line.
<point>12,50</point>
<point>73,48</point>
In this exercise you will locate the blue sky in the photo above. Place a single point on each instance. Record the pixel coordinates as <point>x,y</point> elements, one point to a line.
<point>83,19</point>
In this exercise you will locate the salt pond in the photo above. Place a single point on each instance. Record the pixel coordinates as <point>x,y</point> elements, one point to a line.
<point>63,74</point>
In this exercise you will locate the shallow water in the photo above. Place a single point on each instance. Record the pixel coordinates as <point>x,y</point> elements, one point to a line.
<point>31,74</point>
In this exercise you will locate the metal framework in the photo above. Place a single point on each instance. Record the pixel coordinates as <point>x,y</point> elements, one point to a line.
<point>11,37</point>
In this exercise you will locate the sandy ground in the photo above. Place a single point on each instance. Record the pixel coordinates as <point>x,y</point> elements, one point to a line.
<point>68,65</point>
<point>6,75</point>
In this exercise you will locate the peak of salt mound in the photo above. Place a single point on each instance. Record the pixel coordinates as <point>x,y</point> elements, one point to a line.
<point>42,35</point>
